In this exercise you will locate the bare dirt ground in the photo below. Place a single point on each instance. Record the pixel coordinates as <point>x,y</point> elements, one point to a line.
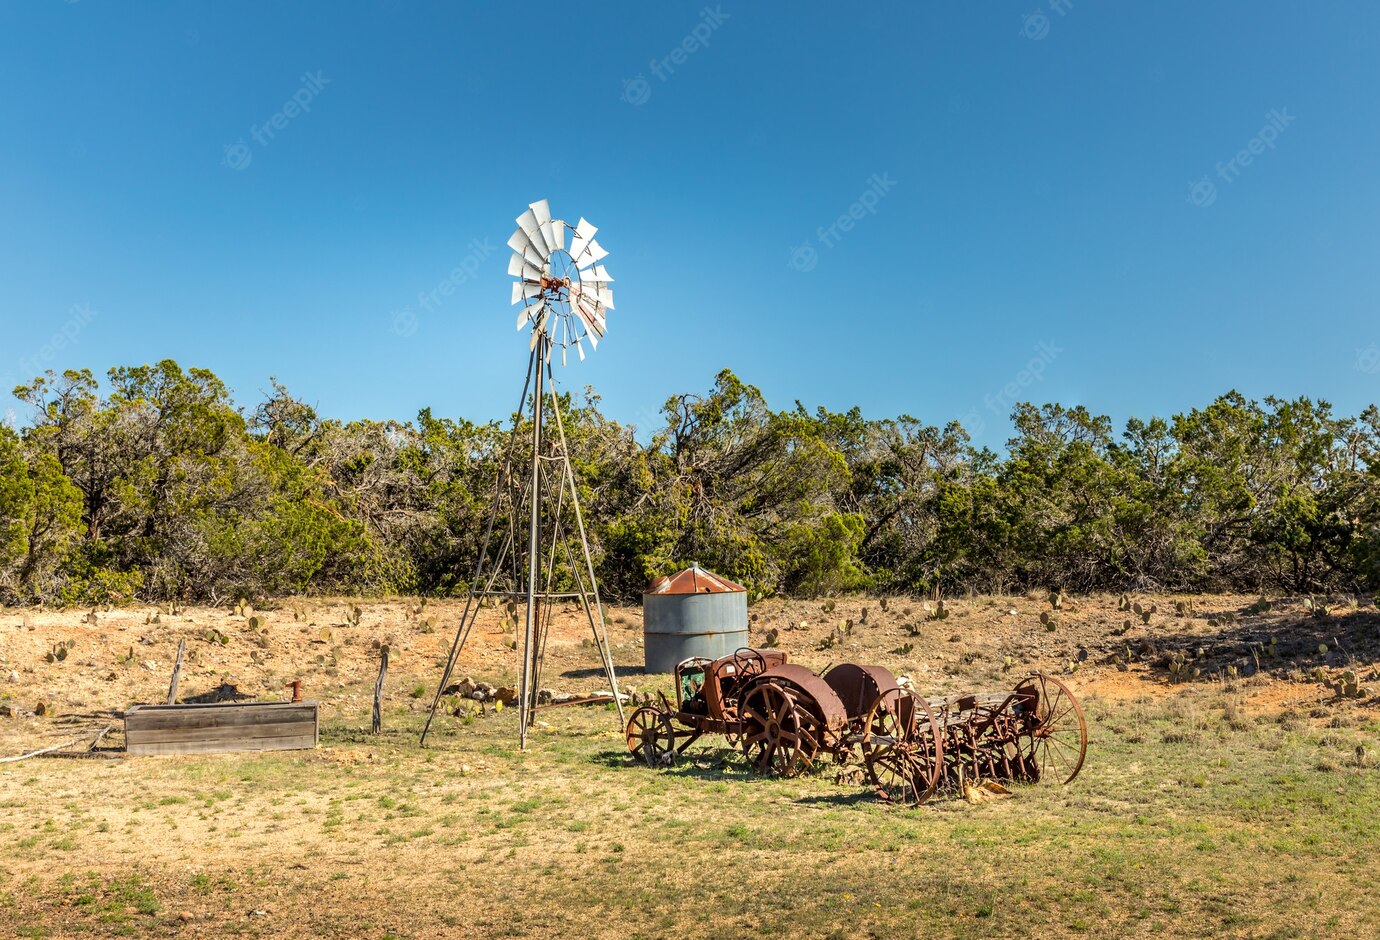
<point>1221,734</point>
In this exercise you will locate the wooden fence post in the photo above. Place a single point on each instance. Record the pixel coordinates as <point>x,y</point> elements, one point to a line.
<point>177,672</point>
<point>378,689</point>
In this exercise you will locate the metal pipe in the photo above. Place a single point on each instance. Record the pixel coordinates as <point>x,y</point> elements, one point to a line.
<point>533,542</point>
<point>600,636</point>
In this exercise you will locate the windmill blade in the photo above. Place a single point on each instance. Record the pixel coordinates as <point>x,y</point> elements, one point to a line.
<point>525,291</point>
<point>590,332</point>
<point>600,294</point>
<point>592,321</point>
<point>562,357</point>
<point>596,274</point>
<point>580,348</point>
<point>531,272</point>
<point>583,233</point>
<point>558,228</point>
<point>519,241</point>
<point>528,315</point>
<point>520,266</point>
<point>594,312</point>
<point>529,224</point>
<point>541,211</point>
<point>534,258</point>
<point>593,253</point>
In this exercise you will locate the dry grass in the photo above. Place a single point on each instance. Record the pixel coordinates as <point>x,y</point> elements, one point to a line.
<point>1206,808</point>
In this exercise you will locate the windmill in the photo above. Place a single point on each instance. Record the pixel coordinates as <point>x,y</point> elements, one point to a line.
<point>535,524</point>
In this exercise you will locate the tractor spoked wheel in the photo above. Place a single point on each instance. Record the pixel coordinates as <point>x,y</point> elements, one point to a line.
<point>651,739</point>
<point>902,749</point>
<point>1056,733</point>
<point>780,737</point>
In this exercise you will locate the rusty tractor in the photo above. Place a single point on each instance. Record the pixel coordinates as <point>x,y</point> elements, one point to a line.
<point>785,718</point>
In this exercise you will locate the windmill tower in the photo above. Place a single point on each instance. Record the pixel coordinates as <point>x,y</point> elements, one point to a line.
<point>535,550</point>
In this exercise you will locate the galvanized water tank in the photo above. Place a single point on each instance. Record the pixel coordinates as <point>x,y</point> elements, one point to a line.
<point>693,613</point>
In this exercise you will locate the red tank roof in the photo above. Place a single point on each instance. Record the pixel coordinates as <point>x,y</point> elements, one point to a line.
<point>694,580</point>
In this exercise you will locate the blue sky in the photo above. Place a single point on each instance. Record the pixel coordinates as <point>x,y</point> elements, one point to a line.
<point>1024,172</point>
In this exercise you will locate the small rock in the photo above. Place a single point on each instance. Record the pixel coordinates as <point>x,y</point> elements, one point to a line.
<point>14,675</point>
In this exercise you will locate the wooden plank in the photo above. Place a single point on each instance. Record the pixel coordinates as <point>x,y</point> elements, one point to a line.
<point>193,706</point>
<point>226,718</point>
<point>221,726</point>
<point>285,729</point>
<point>299,742</point>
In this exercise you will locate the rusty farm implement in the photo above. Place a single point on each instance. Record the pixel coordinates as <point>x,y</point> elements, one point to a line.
<point>785,719</point>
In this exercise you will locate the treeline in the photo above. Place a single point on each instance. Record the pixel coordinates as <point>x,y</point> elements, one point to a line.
<point>157,486</point>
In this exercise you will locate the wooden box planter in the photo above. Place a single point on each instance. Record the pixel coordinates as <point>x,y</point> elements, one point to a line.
<point>223,726</point>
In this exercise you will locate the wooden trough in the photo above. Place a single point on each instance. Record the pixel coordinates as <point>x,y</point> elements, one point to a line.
<point>222,726</point>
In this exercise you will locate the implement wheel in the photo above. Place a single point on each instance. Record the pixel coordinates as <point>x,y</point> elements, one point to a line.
<point>1055,738</point>
<point>780,736</point>
<point>902,749</point>
<point>651,739</point>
